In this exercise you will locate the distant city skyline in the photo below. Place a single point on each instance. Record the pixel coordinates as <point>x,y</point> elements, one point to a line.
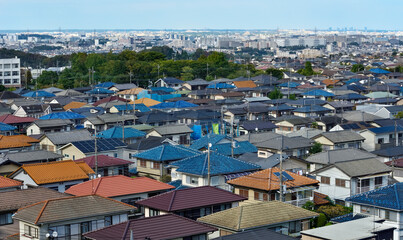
<point>206,14</point>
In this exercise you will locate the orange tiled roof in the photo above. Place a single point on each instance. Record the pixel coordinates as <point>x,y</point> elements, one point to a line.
<point>329,82</point>
<point>8,182</point>
<point>319,198</point>
<point>52,172</point>
<point>146,101</point>
<point>266,180</point>
<point>245,84</point>
<point>84,166</point>
<point>119,185</point>
<point>16,141</point>
<point>133,91</point>
<point>73,105</point>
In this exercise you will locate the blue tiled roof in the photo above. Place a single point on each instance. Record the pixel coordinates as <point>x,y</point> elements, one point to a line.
<point>100,91</point>
<point>239,148</point>
<point>353,80</point>
<point>209,138</point>
<point>312,108</point>
<point>6,127</point>
<point>356,88</point>
<point>351,96</point>
<point>283,107</point>
<point>178,104</point>
<point>220,86</point>
<point>167,152</point>
<point>390,197</point>
<point>39,93</point>
<point>142,108</point>
<point>88,146</point>
<point>318,92</point>
<point>105,85</point>
<point>117,132</point>
<point>62,115</point>
<point>379,71</point>
<point>219,164</point>
<point>291,84</point>
<point>348,217</point>
<point>127,107</point>
<point>177,184</point>
<point>387,129</point>
<point>163,89</point>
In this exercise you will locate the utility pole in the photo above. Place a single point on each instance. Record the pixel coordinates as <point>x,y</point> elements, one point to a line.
<point>130,76</point>
<point>93,75</point>
<point>96,152</point>
<point>208,164</point>
<point>232,137</point>
<point>158,66</point>
<point>207,70</point>
<point>89,76</point>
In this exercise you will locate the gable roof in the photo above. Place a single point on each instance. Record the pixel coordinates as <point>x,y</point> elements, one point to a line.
<point>11,119</point>
<point>73,105</point>
<point>339,155</point>
<point>148,102</point>
<point>13,200</point>
<point>62,115</point>
<point>173,129</point>
<point>190,198</point>
<point>62,209</point>
<point>245,84</point>
<point>341,136</point>
<point>387,129</point>
<point>259,233</point>
<point>16,141</point>
<point>318,92</point>
<point>52,172</point>
<point>109,99</point>
<point>283,142</point>
<point>390,197</point>
<point>256,215</point>
<point>33,155</point>
<point>117,132</point>
<point>219,164</point>
<point>268,181</point>
<point>167,152</point>
<point>112,186</point>
<point>59,138</point>
<point>52,122</point>
<point>132,91</point>
<point>88,146</point>
<point>168,226</point>
<point>8,182</point>
<point>103,161</point>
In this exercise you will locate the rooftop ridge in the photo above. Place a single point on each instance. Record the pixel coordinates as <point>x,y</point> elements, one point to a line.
<point>41,212</point>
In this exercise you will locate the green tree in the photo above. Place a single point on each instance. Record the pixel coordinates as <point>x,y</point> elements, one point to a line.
<point>2,88</point>
<point>316,148</point>
<point>47,78</point>
<point>275,73</point>
<point>307,71</point>
<point>216,58</point>
<point>275,94</point>
<point>66,78</point>
<point>399,115</point>
<point>321,220</point>
<point>357,68</point>
<point>292,97</point>
<point>187,73</point>
<point>332,211</point>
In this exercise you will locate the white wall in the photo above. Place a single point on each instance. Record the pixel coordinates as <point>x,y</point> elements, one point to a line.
<point>333,191</point>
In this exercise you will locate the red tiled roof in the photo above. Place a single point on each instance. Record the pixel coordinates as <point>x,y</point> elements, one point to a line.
<point>8,182</point>
<point>119,185</point>
<point>190,198</point>
<point>104,161</point>
<point>168,226</point>
<point>319,198</point>
<point>397,163</point>
<point>10,119</point>
<point>267,180</point>
<point>109,99</point>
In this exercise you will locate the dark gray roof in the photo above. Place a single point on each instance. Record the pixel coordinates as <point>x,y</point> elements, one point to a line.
<point>197,81</point>
<point>358,168</point>
<point>265,163</point>
<point>339,155</point>
<point>173,129</point>
<point>260,233</point>
<point>59,138</point>
<point>52,122</point>
<point>70,208</point>
<point>125,86</point>
<point>258,137</point>
<point>33,156</point>
<point>341,136</point>
<point>146,143</point>
<point>285,143</point>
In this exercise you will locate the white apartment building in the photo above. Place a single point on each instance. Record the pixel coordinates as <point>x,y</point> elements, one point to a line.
<point>10,72</point>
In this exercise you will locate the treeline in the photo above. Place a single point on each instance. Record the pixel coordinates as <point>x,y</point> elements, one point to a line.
<point>35,60</point>
<point>144,66</point>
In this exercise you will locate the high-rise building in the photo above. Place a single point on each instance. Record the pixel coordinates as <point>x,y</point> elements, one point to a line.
<point>10,72</point>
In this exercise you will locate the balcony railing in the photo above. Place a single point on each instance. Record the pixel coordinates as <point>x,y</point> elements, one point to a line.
<point>362,189</point>
<point>299,202</point>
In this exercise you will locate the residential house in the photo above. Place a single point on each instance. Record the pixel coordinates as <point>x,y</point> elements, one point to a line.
<point>8,184</point>
<point>70,217</point>
<point>190,202</point>
<point>339,139</point>
<point>389,112</point>
<point>121,188</point>
<point>289,125</point>
<point>292,146</point>
<point>353,126</point>
<point>179,134</point>
<point>385,203</point>
<point>274,215</point>
<point>37,110</point>
<point>49,125</point>
<point>360,229</point>
<point>377,138</point>
<point>21,123</point>
<point>311,111</point>
<point>169,82</point>
<point>339,106</point>
<point>256,126</point>
<point>74,105</point>
<point>196,84</point>
<point>169,226</point>
<point>11,201</point>
<point>198,117</point>
<point>280,110</point>
<point>6,129</point>
<point>130,94</point>
<point>107,165</point>
<point>397,169</point>
<point>54,140</point>
<point>126,134</point>
<point>33,156</point>
<point>7,166</point>
<point>122,87</point>
<point>264,185</point>
<point>16,143</point>
<point>195,170</point>
<point>148,102</point>
<point>344,179</point>
<point>108,120</point>
<point>81,149</point>
<point>58,175</point>
<point>389,153</point>
<point>154,162</point>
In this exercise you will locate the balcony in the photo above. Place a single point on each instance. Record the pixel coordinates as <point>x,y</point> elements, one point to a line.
<point>362,189</point>
<point>299,202</point>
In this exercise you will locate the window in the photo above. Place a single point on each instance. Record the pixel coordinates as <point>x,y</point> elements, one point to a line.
<point>15,65</point>
<point>15,73</point>
<point>192,180</point>
<point>154,212</point>
<point>7,74</point>
<point>7,66</point>
<point>155,165</point>
<point>86,227</point>
<point>244,193</point>
<point>325,180</point>
<point>380,140</point>
<point>378,181</point>
<point>6,218</point>
<point>30,231</point>
<point>143,163</point>
<point>108,221</point>
<point>16,81</point>
<point>130,156</point>
<point>340,182</point>
<point>257,196</point>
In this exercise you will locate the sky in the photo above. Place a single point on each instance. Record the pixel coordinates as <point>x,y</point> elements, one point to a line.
<point>200,14</point>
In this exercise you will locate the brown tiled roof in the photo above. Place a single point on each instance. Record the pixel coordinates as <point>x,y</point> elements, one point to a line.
<point>133,91</point>
<point>256,215</point>
<point>110,99</point>
<point>16,141</point>
<point>59,171</point>
<point>13,200</point>
<point>190,198</point>
<point>168,226</point>
<point>73,105</point>
<point>119,185</point>
<point>11,119</point>
<point>266,180</point>
<point>8,182</point>
<point>62,209</point>
<point>104,161</point>
<point>319,198</point>
<point>329,82</point>
<point>146,101</point>
<point>245,84</point>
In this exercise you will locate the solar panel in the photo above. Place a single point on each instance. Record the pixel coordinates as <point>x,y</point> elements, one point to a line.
<point>286,176</point>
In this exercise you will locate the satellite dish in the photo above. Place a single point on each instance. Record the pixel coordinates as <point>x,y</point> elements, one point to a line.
<point>54,234</point>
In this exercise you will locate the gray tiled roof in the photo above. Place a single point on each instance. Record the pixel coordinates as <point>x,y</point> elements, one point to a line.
<point>341,136</point>
<point>362,167</point>
<point>31,156</point>
<point>52,122</point>
<point>173,129</point>
<point>58,138</point>
<point>339,155</point>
